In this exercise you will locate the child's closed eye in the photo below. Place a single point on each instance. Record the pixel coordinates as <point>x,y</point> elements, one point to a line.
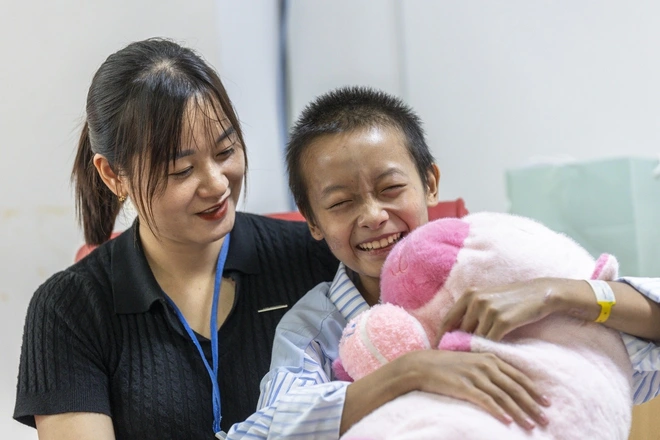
<point>338,204</point>
<point>394,188</point>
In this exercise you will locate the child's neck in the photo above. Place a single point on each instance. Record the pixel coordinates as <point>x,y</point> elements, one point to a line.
<point>368,287</point>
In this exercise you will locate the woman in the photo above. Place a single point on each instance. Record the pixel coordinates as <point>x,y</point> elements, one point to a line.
<point>165,331</point>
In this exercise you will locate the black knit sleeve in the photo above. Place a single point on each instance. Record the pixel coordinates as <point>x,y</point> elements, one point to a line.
<point>322,262</point>
<point>63,365</point>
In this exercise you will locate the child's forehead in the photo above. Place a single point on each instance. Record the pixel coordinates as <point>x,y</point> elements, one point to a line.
<point>357,139</point>
<point>367,152</point>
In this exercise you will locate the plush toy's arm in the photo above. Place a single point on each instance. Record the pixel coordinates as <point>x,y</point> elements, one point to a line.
<point>376,337</point>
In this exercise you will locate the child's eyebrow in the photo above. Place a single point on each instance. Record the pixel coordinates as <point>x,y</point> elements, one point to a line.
<point>393,171</point>
<point>325,192</point>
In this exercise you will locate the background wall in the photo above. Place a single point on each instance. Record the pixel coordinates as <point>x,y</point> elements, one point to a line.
<point>497,83</point>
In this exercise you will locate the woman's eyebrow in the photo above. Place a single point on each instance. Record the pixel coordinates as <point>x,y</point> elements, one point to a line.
<point>225,134</point>
<point>184,153</point>
<point>189,152</point>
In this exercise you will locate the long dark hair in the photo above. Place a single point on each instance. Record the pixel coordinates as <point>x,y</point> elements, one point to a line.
<point>136,109</point>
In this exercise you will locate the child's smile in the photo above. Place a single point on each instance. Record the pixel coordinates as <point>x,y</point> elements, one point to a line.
<point>380,243</point>
<point>366,195</point>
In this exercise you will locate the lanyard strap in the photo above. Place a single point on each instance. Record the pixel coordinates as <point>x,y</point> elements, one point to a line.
<point>213,372</point>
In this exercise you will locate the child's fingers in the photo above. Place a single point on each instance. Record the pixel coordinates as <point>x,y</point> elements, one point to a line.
<point>519,402</point>
<point>502,399</point>
<point>525,382</point>
<point>453,318</point>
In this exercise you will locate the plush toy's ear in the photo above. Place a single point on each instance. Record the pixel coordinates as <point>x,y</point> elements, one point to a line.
<point>340,373</point>
<point>607,268</point>
<point>420,264</point>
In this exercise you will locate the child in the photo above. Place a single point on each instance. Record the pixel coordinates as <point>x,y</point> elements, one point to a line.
<point>362,175</point>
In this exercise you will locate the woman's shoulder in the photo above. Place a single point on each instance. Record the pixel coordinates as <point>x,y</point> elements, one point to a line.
<point>284,237</point>
<point>85,283</point>
<point>271,224</point>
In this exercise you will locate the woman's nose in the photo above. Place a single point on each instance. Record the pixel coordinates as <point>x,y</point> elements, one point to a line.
<point>373,215</point>
<point>214,182</point>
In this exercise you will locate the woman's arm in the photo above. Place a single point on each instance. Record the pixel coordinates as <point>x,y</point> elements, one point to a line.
<point>494,312</point>
<point>75,426</point>
<point>62,370</point>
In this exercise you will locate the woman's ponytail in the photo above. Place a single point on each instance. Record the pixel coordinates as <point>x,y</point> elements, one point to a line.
<point>96,206</point>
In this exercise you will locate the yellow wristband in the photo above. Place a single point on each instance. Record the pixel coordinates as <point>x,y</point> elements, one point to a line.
<point>604,297</point>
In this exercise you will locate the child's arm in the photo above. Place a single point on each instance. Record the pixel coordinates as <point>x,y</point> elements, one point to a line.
<point>480,378</point>
<point>636,313</point>
<point>297,395</point>
<point>494,312</point>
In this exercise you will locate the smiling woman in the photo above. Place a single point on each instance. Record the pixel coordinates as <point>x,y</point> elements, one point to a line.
<point>166,330</point>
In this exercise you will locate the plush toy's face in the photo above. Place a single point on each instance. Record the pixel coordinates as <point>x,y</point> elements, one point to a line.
<point>438,262</point>
<point>432,267</point>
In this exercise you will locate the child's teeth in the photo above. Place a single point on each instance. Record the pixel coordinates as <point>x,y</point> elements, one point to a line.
<point>383,242</point>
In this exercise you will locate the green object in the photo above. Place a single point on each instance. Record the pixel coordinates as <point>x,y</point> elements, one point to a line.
<point>608,206</point>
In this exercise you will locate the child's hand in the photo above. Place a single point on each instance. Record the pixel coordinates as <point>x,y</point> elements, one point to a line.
<point>494,312</point>
<point>483,379</point>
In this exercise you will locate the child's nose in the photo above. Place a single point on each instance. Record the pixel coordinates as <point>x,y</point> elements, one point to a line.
<point>373,215</point>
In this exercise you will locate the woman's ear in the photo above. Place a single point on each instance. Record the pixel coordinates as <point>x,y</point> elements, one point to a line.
<point>108,175</point>
<point>432,185</point>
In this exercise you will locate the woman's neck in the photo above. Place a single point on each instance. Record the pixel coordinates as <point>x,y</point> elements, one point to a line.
<point>175,263</point>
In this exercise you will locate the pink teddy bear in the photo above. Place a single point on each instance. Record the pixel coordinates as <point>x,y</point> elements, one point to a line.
<point>582,367</point>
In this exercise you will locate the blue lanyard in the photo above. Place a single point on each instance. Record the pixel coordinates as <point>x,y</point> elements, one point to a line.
<point>213,372</point>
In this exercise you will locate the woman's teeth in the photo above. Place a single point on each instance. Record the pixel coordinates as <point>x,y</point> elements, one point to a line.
<point>378,244</point>
<point>210,210</point>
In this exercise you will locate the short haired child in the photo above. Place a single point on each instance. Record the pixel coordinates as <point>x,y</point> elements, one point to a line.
<point>362,175</point>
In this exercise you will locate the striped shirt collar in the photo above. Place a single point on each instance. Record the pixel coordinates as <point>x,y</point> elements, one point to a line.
<point>345,296</point>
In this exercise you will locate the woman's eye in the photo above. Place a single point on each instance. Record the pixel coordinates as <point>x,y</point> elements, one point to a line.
<point>226,152</point>
<point>182,173</point>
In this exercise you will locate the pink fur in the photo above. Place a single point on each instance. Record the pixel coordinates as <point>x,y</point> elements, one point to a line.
<point>456,341</point>
<point>385,324</point>
<point>606,268</point>
<point>582,367</point>
<point>433,254</point>
<point>340,372</point>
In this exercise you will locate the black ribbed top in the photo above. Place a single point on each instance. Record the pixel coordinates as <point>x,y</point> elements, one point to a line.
<point>100,336</point>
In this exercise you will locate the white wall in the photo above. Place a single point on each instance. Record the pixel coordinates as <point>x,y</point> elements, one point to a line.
<point>343,42</point>
<point>50,51</point>
<point>500,82</point>
<point>249,56</point>
<point>495,82</point>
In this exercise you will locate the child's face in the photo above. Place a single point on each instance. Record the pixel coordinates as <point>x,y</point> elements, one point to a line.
<point>366,194</point>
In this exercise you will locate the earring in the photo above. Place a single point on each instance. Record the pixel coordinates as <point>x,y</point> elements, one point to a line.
<point>122,198</point>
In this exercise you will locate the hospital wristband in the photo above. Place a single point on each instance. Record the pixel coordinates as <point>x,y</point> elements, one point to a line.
<point>604,297</point>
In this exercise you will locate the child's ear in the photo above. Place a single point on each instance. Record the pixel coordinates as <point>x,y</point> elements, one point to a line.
<point>315,231</point>
<point>432,184</point>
